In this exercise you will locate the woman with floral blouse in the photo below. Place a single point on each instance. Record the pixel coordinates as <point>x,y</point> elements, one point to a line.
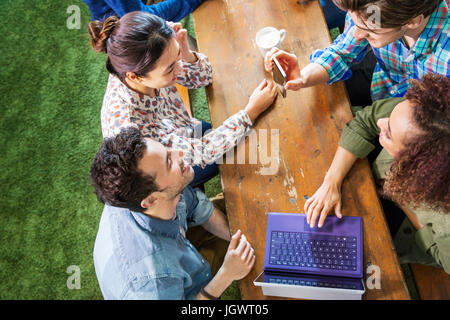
<point>146,57</point>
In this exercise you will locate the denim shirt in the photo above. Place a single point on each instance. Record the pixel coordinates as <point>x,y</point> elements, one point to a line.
<point>138,257</point>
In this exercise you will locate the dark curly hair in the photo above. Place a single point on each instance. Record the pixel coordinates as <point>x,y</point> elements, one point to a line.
<point>420,176</point>
<point>114,173</point>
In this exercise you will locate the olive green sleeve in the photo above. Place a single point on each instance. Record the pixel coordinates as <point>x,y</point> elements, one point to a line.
<point>358,135</point>
<point>436,246</point>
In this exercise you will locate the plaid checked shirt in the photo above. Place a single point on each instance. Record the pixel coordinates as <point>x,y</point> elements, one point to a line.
<point>396,63</point>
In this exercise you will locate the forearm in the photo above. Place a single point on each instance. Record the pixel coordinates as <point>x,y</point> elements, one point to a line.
<point>217,142</point>
<point>314,74</point>
<point>217,224</point>
<point>216,286</point>
<point>190,57</point>
<point>342,163</point>
<point>411,216</point>
<point>196,71</point>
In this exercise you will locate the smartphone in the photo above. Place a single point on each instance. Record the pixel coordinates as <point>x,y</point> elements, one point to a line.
<point>279,76</point>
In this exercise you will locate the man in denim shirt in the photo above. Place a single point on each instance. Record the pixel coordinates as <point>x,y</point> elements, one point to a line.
<point>141,251</point>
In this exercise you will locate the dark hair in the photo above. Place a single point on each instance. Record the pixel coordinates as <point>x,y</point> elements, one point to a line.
<point>394,13</point>
<point>114,173</point>
<point>133,44</point>
<point>421,173</point>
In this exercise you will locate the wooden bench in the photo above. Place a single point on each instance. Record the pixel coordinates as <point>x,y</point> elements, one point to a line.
<point>184,94</point>
<point>432,283</point>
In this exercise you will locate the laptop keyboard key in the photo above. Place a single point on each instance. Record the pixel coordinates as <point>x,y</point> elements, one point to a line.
<point>308,250</point>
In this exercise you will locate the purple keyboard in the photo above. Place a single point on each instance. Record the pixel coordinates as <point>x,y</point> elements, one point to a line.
<point>298,249</point>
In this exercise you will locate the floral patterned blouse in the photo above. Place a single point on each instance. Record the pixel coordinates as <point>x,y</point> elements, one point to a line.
<point>164,117</point>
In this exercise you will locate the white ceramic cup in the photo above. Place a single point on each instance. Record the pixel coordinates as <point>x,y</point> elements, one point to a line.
<point>268,38</point>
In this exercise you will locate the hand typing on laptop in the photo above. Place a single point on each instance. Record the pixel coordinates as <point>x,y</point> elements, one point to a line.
<point>328,196</point>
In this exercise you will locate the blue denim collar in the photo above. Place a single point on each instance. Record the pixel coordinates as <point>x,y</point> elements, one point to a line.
<point>165,228</point>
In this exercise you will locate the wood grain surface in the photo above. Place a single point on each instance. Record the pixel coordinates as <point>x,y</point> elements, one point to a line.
<point>432,283</point>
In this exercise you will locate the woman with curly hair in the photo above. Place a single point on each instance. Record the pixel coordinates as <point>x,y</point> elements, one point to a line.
<point>414,166</point>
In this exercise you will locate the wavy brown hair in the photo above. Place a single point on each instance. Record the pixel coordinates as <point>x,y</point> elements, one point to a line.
<point>420,175</point>
<point>394,13</point>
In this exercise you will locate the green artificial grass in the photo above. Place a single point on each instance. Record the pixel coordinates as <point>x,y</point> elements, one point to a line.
<point>53,85</point>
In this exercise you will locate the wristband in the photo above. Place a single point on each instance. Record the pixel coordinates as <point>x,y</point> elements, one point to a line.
<point>207,295</point>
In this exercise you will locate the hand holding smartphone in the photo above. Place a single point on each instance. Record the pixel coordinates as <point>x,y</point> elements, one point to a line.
<point>279,76</point>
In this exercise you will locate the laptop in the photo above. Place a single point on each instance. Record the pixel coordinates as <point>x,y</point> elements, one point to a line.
<point>313,263</point>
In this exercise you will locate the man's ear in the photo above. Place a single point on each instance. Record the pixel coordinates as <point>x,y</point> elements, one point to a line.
<point>151,201</point>
<point>415,22</point>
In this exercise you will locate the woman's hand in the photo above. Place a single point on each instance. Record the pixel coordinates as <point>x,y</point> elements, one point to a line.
<point>326,198</point>
<point>261,98</point>
<point>181,37</point>
<point>289,63</point>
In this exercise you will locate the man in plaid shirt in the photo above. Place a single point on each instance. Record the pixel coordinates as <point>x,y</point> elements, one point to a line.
<point>407,43</point>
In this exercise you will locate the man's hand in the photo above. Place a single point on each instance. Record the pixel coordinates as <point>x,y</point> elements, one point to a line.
<point>289,63</point>
<point>238,262</point>
<point>239,259</point>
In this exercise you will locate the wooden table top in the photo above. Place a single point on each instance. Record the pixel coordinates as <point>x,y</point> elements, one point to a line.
<point>306,125</point>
